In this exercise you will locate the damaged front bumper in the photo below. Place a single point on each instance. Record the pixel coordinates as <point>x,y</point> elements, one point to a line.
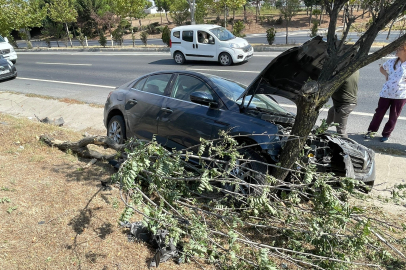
<point>343,157</point>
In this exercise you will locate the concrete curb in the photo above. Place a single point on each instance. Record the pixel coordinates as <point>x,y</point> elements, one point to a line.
<point>257,48</point>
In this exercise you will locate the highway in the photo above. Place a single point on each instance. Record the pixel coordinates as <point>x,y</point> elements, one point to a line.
<point>90,76</point>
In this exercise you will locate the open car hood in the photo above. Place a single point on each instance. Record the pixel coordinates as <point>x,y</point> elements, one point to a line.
<point>286,75</point>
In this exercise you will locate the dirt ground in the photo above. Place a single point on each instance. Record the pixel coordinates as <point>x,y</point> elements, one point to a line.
<point>55,214</point>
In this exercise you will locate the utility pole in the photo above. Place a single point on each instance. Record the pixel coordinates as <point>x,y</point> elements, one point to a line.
<point>225,15</point>
<point>192,12</point>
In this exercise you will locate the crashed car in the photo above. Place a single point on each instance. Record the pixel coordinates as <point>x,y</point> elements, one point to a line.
<point>7,69</point>
<point>180,107</point>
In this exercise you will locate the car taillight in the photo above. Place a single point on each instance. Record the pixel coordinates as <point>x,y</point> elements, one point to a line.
<point>170,43</point>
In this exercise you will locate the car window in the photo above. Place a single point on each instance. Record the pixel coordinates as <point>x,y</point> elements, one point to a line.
<point>138,85</point>
<point>187,36</point>
<point>2,39</point>
<point>222,34</point>
<point>156,84</point>
<point>185,85</point>
<point>204,37</point>
<point>176,34</point>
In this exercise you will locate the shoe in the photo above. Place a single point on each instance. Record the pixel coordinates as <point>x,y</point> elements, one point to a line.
<point>384,139</point>
<point>368,135</point>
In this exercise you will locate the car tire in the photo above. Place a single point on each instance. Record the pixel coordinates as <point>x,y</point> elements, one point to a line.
<point>225,59</point>
<point>255,164</point>
<point>179,58</point>
<point>116,129</point>
<point>14,62</point>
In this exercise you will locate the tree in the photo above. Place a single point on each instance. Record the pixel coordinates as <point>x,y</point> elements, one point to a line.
<point>341,62</point>
<point>63,11</point>
<point>179,11</point>
<point>52,29</point>
<point>234,5</point>
<point>288,9</point>
<point>21,15</point>
<point>163,5</point>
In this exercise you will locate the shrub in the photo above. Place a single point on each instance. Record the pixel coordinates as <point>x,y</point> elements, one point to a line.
<point>166,35</point>
<point>159,29</point>
<point>125,24</point>
<point>261,19</point>
<point>270,35</point>
<point>135,29</point>
<point>314,29</point>
<point>238,28</point>
<point>102,40</point>
<point>144,38</point>
<point>118,35</point>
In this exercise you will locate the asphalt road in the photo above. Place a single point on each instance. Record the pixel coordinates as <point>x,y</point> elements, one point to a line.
<point>91,76</point>
<point>294,37</point>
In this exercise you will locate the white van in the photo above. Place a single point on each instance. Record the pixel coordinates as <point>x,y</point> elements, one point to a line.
<point>208,42</point>
<point>7,51</point>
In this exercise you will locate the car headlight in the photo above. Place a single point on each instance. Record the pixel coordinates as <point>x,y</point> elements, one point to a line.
<point>234,46</point>
<point>12,49</point>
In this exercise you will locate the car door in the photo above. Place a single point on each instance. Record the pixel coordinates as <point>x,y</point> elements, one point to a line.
<point>205,48</point>
<point>185,122</point>
<point>143,105</point>
<point>189,44</point>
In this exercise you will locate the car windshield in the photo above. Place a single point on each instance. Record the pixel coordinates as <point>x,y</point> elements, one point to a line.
<point>2,39</point>
<point>222,34</point>
<point>233,90</point>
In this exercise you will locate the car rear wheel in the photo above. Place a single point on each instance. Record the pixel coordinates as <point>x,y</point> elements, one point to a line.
<point>252,170</point>
<point>116,129</point>
<point>179,58</point>
<point>225,59</point>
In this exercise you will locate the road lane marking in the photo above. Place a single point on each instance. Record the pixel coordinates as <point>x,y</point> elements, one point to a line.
<point>224,70</point>
<point>352,113</point>
<point>64,64</point>
<point>62,82</point>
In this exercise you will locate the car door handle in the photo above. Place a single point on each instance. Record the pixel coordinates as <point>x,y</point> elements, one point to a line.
<point>197,46</point>
<point>167,110</point>
<point>193,46</point>
<point>132,101</point>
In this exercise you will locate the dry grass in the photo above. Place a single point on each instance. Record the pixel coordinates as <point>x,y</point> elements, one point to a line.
<point>58,215</point>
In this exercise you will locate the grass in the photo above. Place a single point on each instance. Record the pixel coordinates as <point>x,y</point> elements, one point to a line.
<point>54,212</point>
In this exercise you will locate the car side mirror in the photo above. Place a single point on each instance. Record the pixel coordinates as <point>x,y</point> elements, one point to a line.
<point>203,99</point>
<point>6,39</point>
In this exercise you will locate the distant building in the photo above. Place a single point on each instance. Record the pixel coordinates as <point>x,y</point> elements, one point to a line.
<point>151,10</point>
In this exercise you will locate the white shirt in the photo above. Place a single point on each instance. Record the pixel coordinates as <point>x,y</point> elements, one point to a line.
<point>395,86</point>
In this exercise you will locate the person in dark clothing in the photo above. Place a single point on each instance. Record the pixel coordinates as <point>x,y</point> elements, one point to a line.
<point>344,102</point>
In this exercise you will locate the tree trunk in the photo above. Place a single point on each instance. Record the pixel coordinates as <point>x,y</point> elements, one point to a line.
<point>305,119</point>
<point>287,30</point>
<point>67,32</point>
<point>161,16</point>
<point>311,14</point>
<point>245,13</point>
<point>166,14</point>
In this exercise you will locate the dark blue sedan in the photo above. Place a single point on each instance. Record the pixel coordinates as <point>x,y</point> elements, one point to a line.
<point>180,107</point>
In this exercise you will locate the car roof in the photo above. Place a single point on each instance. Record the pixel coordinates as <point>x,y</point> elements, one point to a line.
<point>196,27</point>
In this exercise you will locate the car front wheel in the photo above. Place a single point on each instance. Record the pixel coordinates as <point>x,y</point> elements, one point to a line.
<point>116,129</point>
<point>225,59</point>
<point>179,58</point>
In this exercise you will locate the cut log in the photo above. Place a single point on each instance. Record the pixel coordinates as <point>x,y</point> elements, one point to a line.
<point>81,149</point>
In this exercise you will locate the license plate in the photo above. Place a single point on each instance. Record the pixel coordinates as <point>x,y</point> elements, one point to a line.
<point>4,72</point>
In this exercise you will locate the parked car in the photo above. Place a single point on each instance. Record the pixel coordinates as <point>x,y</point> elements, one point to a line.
<point>7,69</point>
<point>206,42</point>
<point>7,51</point>
<point>180,107</point>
